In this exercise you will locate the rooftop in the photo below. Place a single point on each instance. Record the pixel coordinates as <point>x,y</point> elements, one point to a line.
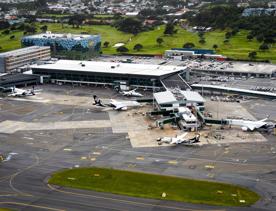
<point>235,67</point>
<point>192,96</point>
<point>164,97</point>
<point>23,51</point>
<point>110,67</point>
<point>50,35</point>
<point>174,96</point>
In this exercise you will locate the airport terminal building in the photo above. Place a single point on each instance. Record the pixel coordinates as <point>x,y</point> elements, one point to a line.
<point>106,73</point>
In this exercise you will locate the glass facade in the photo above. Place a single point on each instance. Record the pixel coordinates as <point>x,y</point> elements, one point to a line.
<point>134,80</point>
<point>70,46</point>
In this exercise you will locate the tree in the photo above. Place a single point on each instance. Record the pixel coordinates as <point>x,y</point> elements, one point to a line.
<point>30,29</point>
<point>106,44</point>
<point>200,34</point>
<point>215,46</point>
<point>202,41</point>
<point>235,31</point>
<point>264,47</point>
<point>250,37</point>
<point>129,25</point>
<point>4,25</point>
<point>226,41</point>
<point>41,4</point>
<point>228,35</point>
<point>252,54</point>
<point>159,40</point>
<point>76,20</point>
<point>44,28</point>
<point>7,31</point>
<point>269,39</point>
<point>260,37</point>
<point>169,30</point>
<point>189,45</point>
<point>122,49</point>
<point>138,47</point>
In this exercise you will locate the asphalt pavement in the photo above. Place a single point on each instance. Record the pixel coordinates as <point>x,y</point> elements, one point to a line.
<point>35,155</point>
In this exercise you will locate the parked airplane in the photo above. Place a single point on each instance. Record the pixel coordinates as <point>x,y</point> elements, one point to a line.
<point>16,92</point>
<point>131,93</point>
<point>123,105</point>
<point>97,101</point>
<point>179,140</point>
<point>117,105</point>
<point>248,125</point>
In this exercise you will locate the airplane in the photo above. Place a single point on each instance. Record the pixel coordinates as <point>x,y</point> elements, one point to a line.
<point>16,92</point>
<point>179,140</point>
<point>131,93</point>
<point>123,105</point>
<point>249,125</point>
<point>97,101</point>
<point>117,105</point>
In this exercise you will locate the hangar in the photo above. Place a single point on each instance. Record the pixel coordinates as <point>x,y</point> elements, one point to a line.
<point>107,73</point>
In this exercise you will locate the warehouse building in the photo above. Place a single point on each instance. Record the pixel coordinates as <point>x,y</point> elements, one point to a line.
<point>66,44</point>
<point>12,60</point>
<point>184,53</point>
<point>106,73</point>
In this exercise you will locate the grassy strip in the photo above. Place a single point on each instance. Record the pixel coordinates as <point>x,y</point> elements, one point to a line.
<point>153,186</point>
<point>237,48</point>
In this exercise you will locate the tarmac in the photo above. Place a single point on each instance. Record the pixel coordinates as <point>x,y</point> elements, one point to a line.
<point>47,145</point>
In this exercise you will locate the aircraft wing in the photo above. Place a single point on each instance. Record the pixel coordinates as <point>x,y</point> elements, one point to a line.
<point>12,95</point>
<point>182,136</point>
<point>250,127</point>
<point>255,126</point>
<point>119,106</point>
<point>263,120</point>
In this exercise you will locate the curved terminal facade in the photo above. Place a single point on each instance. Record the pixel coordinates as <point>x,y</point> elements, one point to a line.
<point>109,73</point>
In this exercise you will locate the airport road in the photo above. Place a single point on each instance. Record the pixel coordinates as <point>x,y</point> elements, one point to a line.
<point>34,155</point>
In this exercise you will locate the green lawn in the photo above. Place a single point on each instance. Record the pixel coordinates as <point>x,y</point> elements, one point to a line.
<point>152,186</point>
<point>237,48</point>
<point>4,209</point>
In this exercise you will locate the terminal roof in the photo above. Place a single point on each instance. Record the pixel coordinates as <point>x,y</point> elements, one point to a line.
<point>110,67</point>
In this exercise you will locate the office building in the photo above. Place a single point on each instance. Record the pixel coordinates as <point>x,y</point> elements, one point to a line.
<point>13,60</point>
<point>69,45</point>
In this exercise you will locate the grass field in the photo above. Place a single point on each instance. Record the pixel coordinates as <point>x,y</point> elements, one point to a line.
<point>237,48</point>
<point>4,209</point>
<point>153,186</point>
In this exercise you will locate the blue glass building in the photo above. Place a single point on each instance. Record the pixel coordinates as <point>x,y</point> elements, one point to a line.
<point>65,43</point>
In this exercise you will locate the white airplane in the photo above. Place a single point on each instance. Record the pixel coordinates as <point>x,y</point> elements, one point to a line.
<point>248,125</point>
<point>123,105</point>
<point>15,92</point>
<point>117,105</point>
<point>179,139</point>
<point>131,93</point>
